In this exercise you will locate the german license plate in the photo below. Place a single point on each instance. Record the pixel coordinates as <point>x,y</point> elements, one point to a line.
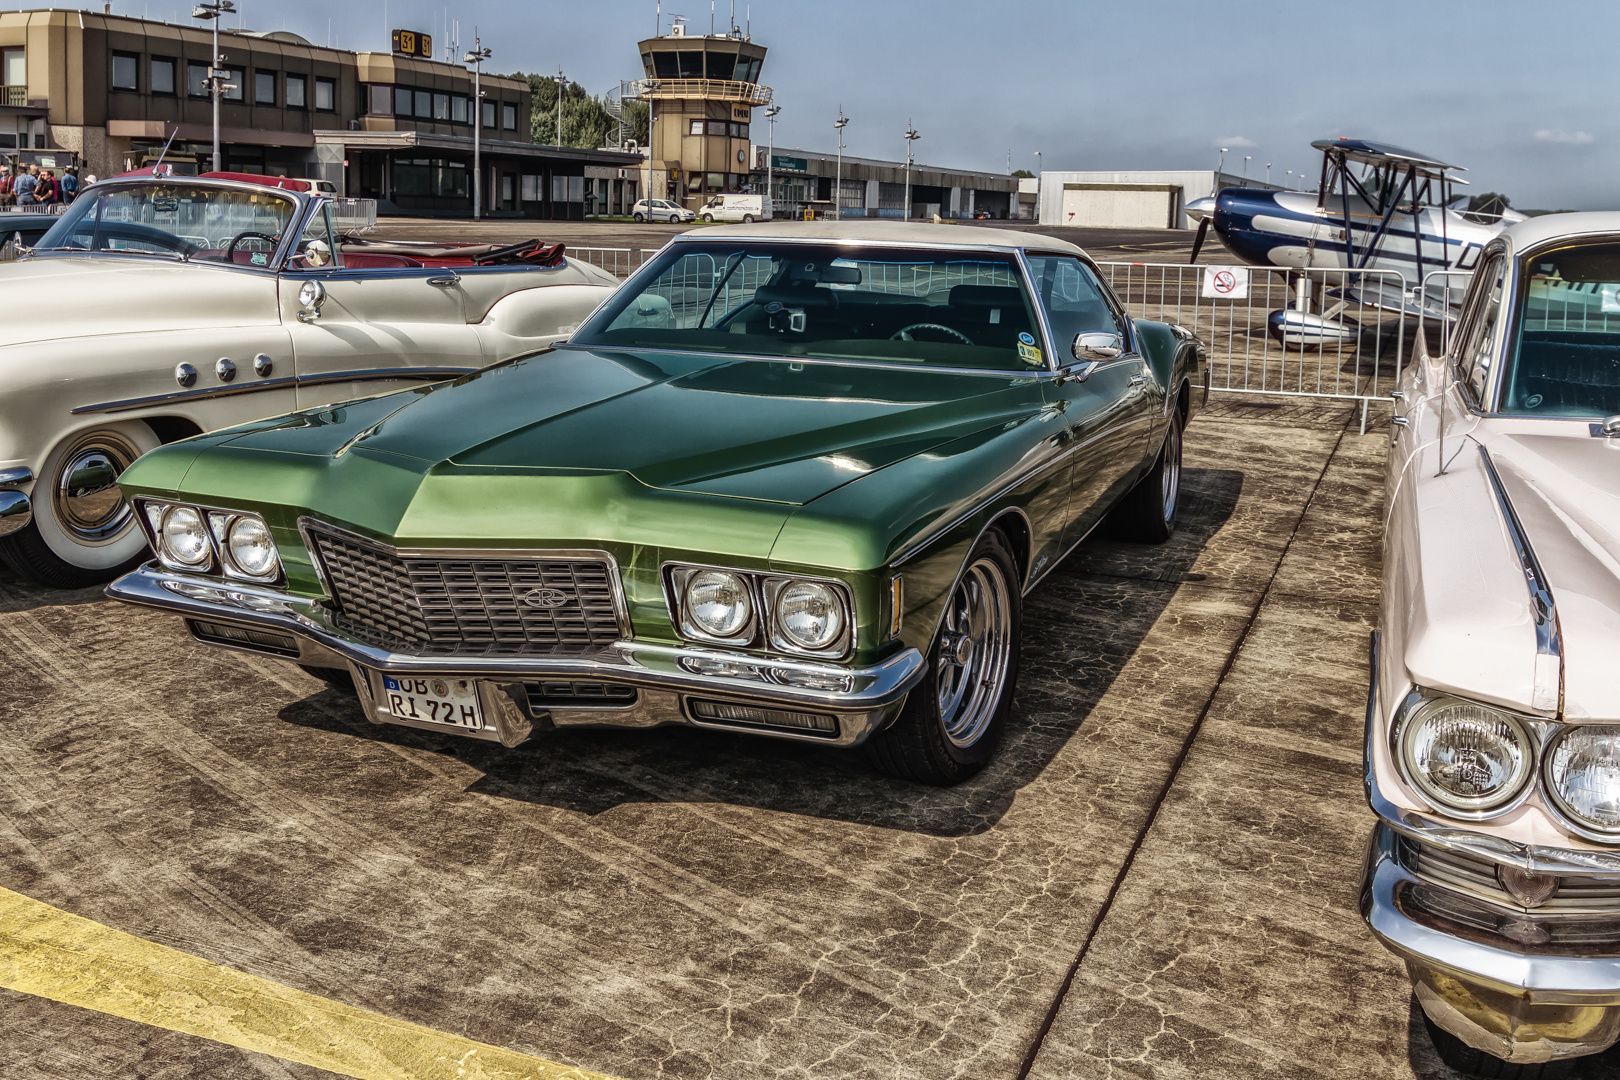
<point>453,702</point>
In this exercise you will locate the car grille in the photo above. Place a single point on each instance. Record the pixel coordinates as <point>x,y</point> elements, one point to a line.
<point>466,606</point>
<point>562,693</point>
<point>1578,894</point>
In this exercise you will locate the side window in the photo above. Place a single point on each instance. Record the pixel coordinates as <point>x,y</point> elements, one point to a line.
<point>1074,300</point>
<point>317,244</point>
<point>1475,350</point>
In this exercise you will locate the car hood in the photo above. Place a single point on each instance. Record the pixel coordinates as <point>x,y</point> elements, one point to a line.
<point>66,296</point>
<point>770,431</point>
<point>1566,493</point>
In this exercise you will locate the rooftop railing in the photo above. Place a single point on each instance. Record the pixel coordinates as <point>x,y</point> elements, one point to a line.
<point>700,89</point>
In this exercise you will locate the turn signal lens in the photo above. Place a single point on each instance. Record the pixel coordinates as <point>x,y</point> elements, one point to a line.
<point>184,537</point>
<point>1466,756</point>
<point>251,548</point>
<point>718,602</point>
<point>810,615</point>
<point>1531,890</point>
<point>1583,772</point>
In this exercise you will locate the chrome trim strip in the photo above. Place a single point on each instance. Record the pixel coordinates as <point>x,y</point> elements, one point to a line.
<point>727,357</point>
<point>16,511</point>
<point>359,375</point>
<point>22,474</point>
<point>1542,607</point>
<point>705,236</point>
<point>309,525</point>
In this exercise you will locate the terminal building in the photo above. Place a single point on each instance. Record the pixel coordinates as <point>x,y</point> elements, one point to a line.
<point>105,92</point>
<point>874,188</point>
<point>1130,199</point>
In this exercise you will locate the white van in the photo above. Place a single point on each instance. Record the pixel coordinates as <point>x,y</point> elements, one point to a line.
<point>736,208</point>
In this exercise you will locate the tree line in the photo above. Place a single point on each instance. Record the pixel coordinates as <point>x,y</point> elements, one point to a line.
<point>586,122</point>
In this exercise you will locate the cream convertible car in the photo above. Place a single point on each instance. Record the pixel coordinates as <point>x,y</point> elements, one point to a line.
<point>1493,726</point>
<point>159,308</point>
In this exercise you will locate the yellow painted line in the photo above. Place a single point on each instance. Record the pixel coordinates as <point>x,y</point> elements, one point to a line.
<point>51,954</point>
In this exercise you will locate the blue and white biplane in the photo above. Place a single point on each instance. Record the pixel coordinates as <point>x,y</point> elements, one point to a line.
<point>1378,207</point>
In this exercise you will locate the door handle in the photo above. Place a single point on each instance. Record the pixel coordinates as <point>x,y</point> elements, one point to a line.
<point>445,282</point>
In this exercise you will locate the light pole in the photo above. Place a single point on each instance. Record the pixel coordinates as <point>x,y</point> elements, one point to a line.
<point>562,83</point>
<point>1219,169</point>
<point>838,189</point>
<point>476,57</point>
<point>1246,158</point>
<point>770,158</point>
<point>1290,184</point>
<point>1037,186</point>
<point>1268,174</point>
<point>216,74</point>
<point>911,139</point>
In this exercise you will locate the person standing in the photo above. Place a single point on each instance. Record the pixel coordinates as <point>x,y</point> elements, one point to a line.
<point>45,193</point>
<point>69,185</point>
<point>6,197</point>
<point>25,185</point>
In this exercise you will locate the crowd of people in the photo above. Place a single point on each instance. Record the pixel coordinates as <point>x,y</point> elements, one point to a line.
<point>31,185</point>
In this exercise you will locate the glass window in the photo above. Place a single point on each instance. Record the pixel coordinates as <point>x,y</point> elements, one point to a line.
<point>531,189</point>
<point>696,128</point>
<point>1075,301</point>
<point>235,81</point>
<point>717,127</point>
<point>830,301</point>
<point>509,117</point>
<point>404,101</point>
<point>13,71</point>
<point>171,220</point>
<point>1563,349</point>
<point>318,244</point>
<point>380,100</point>
<point>722,65</point>
<point>197,80</point>
<point>326,95</point>
<point>714,181</point>
<point>489,114</point>
<point>739,131</point>
<point>458,110</point>
<point>126,71</point>
<point>441,106</point>
<point>1476,349</point>
<point>264,88</point>
<point>162,75</point>
<point>295,91</point>
<point>424,104</point>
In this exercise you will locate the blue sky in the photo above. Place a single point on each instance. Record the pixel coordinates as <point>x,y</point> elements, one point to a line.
<point>1522,94</point>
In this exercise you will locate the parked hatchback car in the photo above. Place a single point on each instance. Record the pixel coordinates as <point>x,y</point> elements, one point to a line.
<point>793,481</point>
<point>661,210</point>
<point>156,308</point>
<point>1493,722</point>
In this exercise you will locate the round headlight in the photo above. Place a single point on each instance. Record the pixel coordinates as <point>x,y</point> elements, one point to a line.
<point>1583,771</point>
<point>718,602</point>
<point>185,537</point>
<point>252,550</point>
<point>809,615</point>
<point>1466,756</point>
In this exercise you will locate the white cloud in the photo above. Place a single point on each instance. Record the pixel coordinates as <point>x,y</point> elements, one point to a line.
<point>1236,142</point>
<point>1565,138</point>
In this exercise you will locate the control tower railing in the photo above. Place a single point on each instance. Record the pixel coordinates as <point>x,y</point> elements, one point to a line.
<point>699,89</point>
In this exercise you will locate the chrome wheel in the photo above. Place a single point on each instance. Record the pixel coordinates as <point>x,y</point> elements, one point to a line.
<point>975,648</point>
<point>1170,473</point>
<point>84,493</point>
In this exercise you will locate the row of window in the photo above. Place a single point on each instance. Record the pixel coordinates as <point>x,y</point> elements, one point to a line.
<point>385,100</point>
<point>269,87</point>
<point>718,127</point>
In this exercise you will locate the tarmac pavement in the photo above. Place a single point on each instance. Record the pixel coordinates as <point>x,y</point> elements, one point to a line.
<point>212,866</point>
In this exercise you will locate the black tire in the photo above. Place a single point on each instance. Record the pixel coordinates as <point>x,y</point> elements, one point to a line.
<point>748,219</point>
<point>944,744</point>
<point>638,218</point>
<point>1148,513</point>
<point>709,218</point>
<point>337,678</point>
<point>26,554</point>
<point>1465,1059</point>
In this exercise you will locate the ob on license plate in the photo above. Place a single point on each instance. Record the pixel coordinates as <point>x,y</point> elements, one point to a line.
<point>438,701</point>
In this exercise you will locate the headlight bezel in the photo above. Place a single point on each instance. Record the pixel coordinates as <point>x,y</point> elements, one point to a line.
<point>218,523</point>
<point>166,551</point>
<point>1520,788</point>
<point>1554,798</point>
<point>761,633</point>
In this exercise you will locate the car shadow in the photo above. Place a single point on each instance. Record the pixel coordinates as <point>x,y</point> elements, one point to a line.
<point>1081,627</point>
<point>17,593</point>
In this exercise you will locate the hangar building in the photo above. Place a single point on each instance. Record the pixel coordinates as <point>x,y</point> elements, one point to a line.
<point>1131,199</point>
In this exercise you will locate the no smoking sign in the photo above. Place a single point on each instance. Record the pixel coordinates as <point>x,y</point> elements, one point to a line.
<point>1226,282</point>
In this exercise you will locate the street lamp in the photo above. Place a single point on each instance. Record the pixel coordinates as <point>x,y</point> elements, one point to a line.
<point>1038,171</point>
<point>562,83</point>
<point>770,159</point>
<point>1246,158</point>
<point>217,75</point>
<point>838,189</point>
<point>1221,168</point>
<point>1268,174</point>
<point>476,57</point>
<point>911,138</point>
<point>1290,184</point>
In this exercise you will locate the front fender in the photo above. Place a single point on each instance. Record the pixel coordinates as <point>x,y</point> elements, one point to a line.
<point>1175,356</point>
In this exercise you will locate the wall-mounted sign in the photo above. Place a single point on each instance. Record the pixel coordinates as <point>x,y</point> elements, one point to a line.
<point>742,113</point>
<point>791,164</point>
<point>411,43</point>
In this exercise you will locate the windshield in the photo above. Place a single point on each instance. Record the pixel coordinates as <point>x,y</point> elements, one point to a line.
<point>200,223</point>
<point>836,301</point>
<point>1564,359</point>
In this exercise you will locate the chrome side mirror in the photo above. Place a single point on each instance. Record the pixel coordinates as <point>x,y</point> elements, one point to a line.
<point>1098,346</point>
<point>311,295</point>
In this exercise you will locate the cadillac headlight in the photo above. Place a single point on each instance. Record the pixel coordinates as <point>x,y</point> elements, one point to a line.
<point>1464,755</point>
<point>1583,774</point>
<point>809,615</point>
<point>183,538</point>
<point>718,602</point>
<point>251,548</point>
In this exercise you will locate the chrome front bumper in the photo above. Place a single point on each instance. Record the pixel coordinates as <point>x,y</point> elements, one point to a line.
<point>16,511</point>
<point>666,678</point>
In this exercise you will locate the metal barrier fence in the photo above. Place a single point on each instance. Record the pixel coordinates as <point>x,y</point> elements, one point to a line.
<point>37,208</point>
<point>355,215</point>
<point>1358,332</point>
<point>621,262</point>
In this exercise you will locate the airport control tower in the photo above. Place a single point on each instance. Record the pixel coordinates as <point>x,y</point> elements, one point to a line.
<point>702,91</point>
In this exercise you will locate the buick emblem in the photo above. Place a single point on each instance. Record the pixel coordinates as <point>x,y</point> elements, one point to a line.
<point>545,598</point>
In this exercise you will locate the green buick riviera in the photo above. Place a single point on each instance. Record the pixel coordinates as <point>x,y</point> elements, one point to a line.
<point>789,479</point>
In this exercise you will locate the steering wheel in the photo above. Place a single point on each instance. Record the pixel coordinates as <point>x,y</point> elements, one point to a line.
<point>904,333</point>
<point>249,234</point>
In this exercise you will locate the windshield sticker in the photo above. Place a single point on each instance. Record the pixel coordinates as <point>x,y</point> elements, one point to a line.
<point>260,259</point>
<point>1029,353</point>
<point>1026,338</point>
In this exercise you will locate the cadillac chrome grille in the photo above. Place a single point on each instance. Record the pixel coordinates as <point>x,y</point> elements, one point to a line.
<point>1577,893</point>
<point>465,606</point>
